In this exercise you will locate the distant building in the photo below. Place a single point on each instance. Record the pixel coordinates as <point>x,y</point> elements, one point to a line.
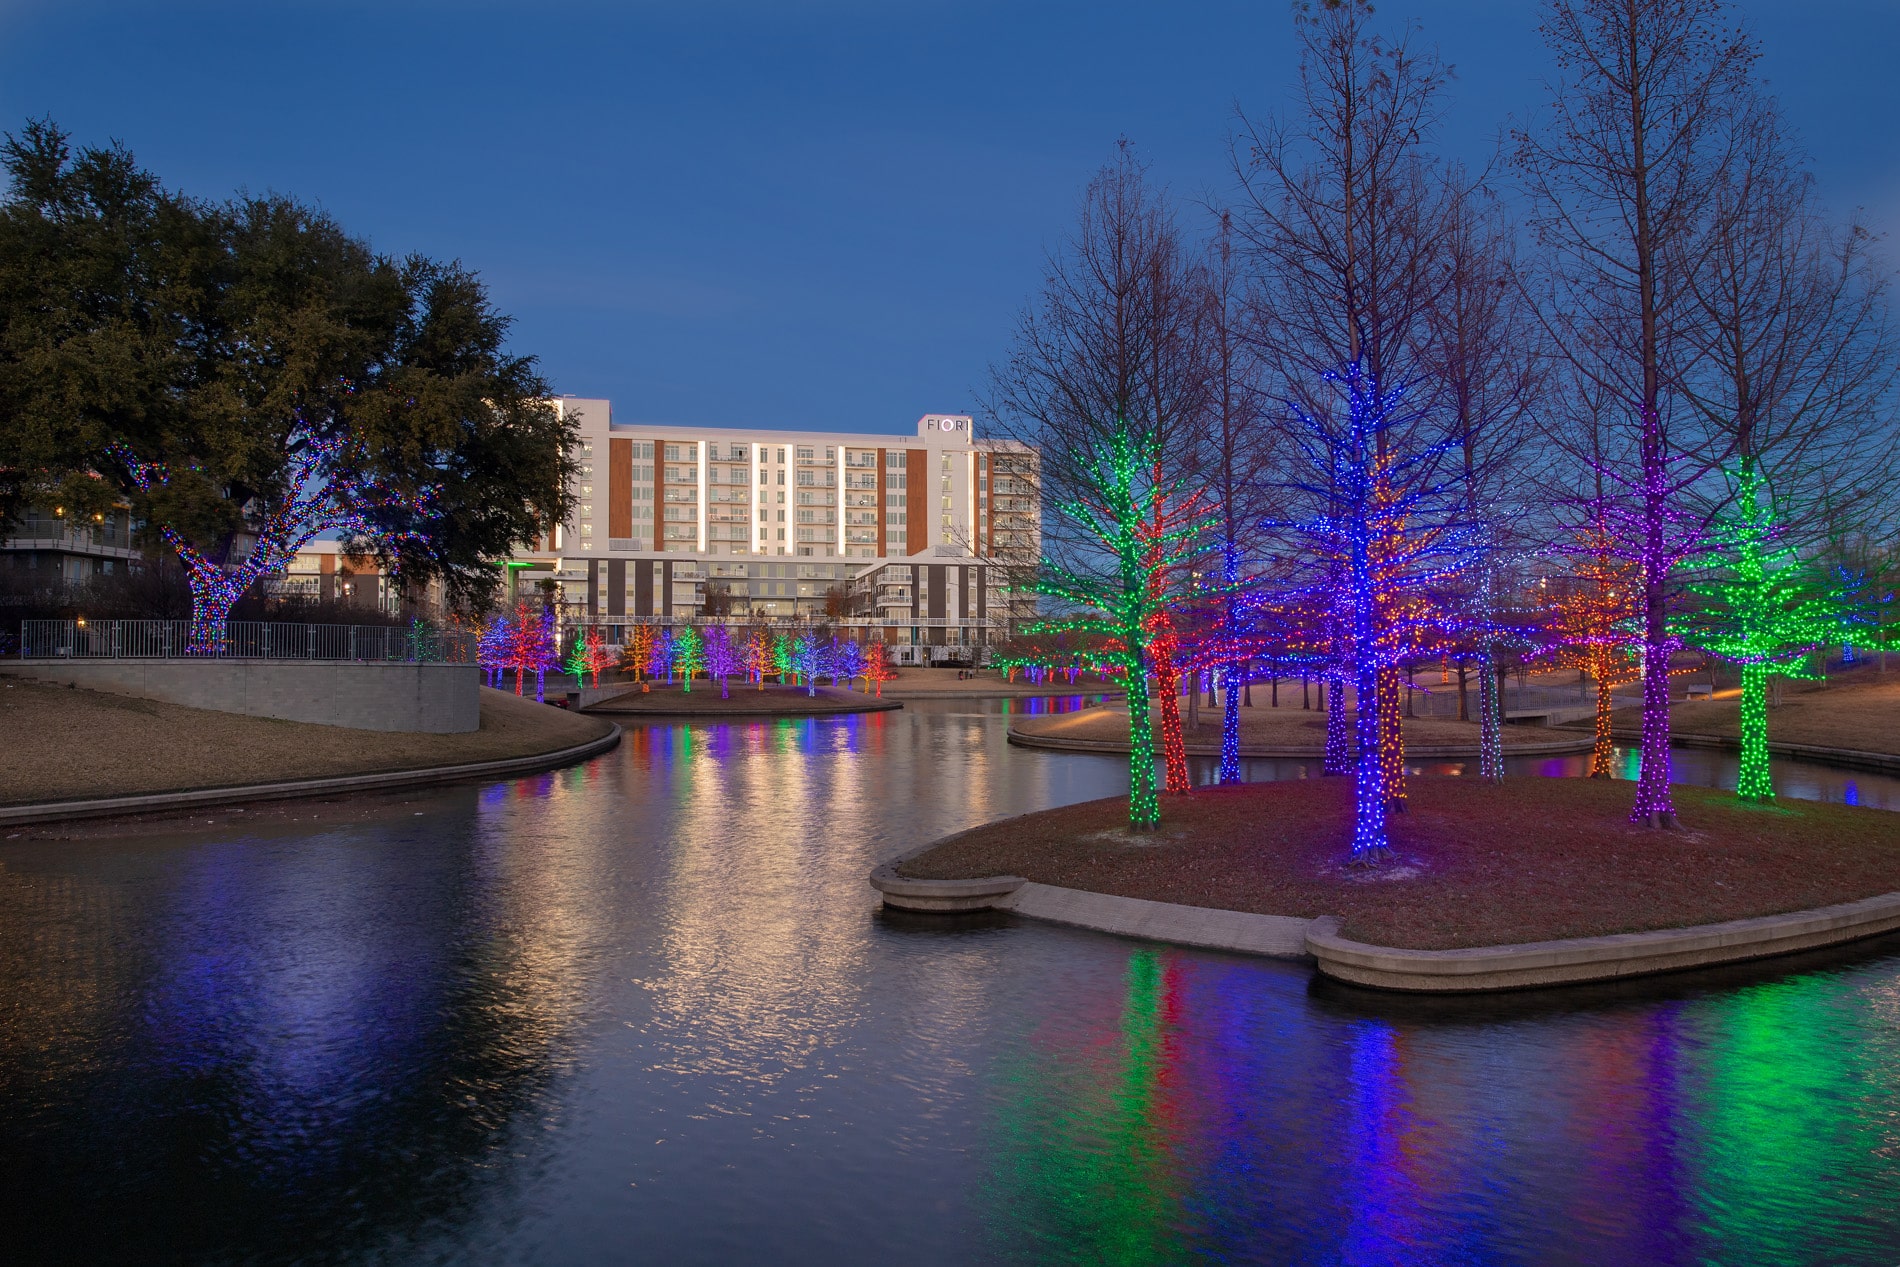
<point>51,549</point>
<point>900,537</point>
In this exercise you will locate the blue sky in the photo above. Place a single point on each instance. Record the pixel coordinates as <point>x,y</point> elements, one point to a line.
<point>818,215</point>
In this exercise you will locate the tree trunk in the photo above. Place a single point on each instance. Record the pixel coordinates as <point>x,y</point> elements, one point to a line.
<point>1144,811</point>
<point>1230,729</point>
<point>1173,749</point>
<point>1337,742</point>
<point>1755,782</point>
<point>1490,716</point>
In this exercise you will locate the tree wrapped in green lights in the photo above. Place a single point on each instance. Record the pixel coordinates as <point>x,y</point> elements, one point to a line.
<point>1107,381</point>
<point>1149,530</point>
<point>689,655</point>
<point>1762,610</point>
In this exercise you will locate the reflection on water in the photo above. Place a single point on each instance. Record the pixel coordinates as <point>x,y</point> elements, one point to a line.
<point>646,1009</point>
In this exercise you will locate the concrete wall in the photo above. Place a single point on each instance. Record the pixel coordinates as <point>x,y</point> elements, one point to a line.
<point>439,699</point>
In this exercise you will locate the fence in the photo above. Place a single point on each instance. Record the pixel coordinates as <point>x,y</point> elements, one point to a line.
<point>243,640</point>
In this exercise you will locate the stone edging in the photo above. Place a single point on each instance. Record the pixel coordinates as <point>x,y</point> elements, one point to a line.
<point>157,802</point>
<point>1055,743</point>
<point>1572,961</point>
<point>1580,959</point>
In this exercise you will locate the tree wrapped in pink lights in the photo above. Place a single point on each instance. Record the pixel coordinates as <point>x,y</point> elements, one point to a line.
<point>323,492</point>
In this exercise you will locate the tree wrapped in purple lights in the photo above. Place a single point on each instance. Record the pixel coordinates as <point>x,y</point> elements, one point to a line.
<point>723,657</point>
<point>322,493</point>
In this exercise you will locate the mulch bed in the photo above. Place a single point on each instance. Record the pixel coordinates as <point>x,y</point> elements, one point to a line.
<point>1476,865</point>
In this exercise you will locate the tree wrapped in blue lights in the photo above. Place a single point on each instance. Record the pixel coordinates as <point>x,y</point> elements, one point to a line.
<point>1387,532</point>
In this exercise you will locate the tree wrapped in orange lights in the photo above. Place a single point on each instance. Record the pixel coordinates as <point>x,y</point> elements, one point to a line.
<point>1592,624</point>
<point>637,651</point>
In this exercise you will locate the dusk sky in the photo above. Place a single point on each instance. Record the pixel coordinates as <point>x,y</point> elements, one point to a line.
<point>799,215</point>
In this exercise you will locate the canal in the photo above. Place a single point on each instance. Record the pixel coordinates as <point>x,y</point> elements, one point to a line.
<point>647,1010</point>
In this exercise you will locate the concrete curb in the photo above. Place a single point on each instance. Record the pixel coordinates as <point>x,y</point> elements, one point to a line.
<point>1581,959</point>
<point>1275,936</point>
<point>158,802</point>
<point>1054,743</point>
<point>1272,936</point>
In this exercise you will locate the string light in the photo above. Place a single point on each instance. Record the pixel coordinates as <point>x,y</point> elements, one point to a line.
<point>1590,625</point>
<point>589,654</point>
<point>1762,611</point>
<point>1386,537</point>
<point>1147,524</point>
<point>689,656</point>
<point>326,494</point>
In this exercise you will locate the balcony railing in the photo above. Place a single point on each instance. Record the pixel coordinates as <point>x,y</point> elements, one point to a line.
<point>242,640</point>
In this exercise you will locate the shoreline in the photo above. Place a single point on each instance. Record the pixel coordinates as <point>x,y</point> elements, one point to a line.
<point>36,813</point>
<point>1158,888</point>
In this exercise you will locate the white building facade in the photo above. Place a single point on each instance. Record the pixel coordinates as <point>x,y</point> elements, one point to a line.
<point>907,538</point>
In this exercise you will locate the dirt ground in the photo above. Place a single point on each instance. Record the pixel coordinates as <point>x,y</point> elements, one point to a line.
<point>1265,727</point>
<point>1477,865</point>
<point>68,744</point>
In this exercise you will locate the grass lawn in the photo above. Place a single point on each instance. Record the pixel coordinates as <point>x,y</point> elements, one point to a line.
<point>1527,860</point>
<point>1859,711</point>
<point>69,744</point>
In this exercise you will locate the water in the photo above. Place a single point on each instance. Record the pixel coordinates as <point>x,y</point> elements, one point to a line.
<point>646,1009</point>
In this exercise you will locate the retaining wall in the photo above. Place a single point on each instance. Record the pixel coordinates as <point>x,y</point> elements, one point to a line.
<point>437,699</point>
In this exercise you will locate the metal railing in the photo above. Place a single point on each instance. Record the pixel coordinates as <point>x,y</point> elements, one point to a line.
<point>242,640</point>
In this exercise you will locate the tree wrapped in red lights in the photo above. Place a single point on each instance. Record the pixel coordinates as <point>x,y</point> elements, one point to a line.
<point>877,668</point>
<point>758,655</point>
<point>527,644</point>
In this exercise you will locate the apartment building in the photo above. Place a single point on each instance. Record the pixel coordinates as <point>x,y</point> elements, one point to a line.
<point>900,536</point>
<point>52,549</point>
